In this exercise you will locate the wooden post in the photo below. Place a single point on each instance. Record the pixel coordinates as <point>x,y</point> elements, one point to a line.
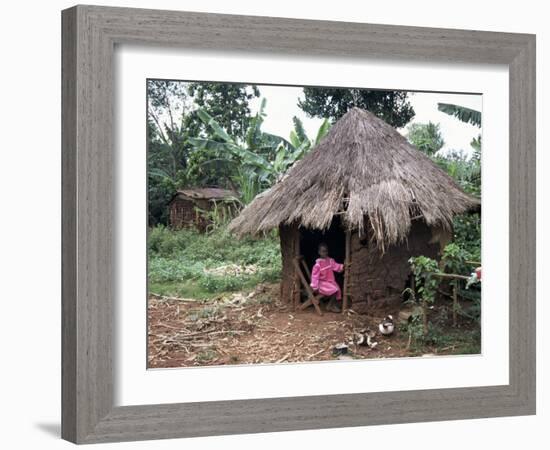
<point>347,262</point>
<point>455,302</point>
<point>296,279</point>
<point>424,317</point>
<point>424,307</point>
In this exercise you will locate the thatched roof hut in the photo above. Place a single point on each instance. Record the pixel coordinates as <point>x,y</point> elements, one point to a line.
<point>193,207</point>
<point>366,176</point>
<point>364,169</point>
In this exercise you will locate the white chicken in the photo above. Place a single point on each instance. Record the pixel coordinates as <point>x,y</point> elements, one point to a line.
<point>387,326</point>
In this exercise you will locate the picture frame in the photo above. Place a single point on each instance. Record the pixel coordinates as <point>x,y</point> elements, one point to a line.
<point>90,34</point>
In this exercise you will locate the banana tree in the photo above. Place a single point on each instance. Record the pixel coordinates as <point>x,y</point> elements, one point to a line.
<point>462,113</point>
<point>466,115</point>
<point>257,162</point>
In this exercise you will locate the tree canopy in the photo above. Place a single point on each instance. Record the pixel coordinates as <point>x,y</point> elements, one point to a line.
<point>172,121</point>
<point>333,103</point>
<point>227,103</point>
<point>426,137</point>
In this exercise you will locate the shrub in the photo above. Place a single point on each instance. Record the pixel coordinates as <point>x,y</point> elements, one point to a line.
<point>164,269</point>
<point>454,259</point>
<point>423,269</point>
<point>467,234</point>
<point>163,241</point>
<point>213,283</point>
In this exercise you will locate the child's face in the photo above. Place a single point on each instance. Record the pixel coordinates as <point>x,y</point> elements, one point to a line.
<point>323,252</point>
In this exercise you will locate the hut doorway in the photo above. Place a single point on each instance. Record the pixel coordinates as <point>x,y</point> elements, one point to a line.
<point>334,237</point>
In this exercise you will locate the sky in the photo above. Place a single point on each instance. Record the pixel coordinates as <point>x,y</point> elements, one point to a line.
<point>282,105</point>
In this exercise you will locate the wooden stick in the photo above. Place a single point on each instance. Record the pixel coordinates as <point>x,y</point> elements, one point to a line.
<point>315,354</point>
<point>424,317</point>
<point>314,300</point>
<point>202,333</point>
<point>164,297</point>
<point>455,302</point>
<point>451,276</point>
<point>424,307</point>
<point>284,358</point>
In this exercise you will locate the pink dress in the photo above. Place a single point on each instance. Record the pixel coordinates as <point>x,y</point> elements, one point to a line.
<point>322,277</point>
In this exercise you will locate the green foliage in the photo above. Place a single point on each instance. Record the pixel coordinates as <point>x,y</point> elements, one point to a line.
<point>426,137</point>
<point>222,284</point>
<point>476,145</point>
<point>219,215</point>
<point>414,328</point>
<point>254,164</point>
<point>333,103</point>
<point>467,234</point>
<point>172,120</point>
<point>454,259</point>
<point>459,341</point>
<point>168,269</point>
<point>423,269</point>
<point>466,171</point>
<point>247,183</point>
<point>181,262</point>
<point>227,103</point>
<point>472,310</point>
<point>298,134</point>
<point>462,113</point>
<point>439,337</point>
<point>162,241</point>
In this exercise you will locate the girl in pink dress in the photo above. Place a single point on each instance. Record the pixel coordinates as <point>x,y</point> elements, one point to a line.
<point>322,278</point>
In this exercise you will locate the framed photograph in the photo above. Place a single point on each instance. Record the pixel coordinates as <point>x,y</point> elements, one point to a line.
<point>278,224</point>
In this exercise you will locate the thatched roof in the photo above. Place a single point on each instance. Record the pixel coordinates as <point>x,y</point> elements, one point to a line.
<point>208,193</point>
<point>366,171</point>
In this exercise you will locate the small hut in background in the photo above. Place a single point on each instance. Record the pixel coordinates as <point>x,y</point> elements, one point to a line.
<point>374,198</point>
<point>197,207</point>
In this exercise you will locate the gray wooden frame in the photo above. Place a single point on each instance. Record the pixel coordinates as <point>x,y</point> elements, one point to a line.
<point>89,36</point>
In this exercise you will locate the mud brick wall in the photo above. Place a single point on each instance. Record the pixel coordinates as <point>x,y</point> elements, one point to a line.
<point>378,279</point>
<point>184,215</point>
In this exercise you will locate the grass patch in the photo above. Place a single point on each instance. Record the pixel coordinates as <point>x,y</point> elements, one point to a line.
<point>182,289</point>
<point>181,261</point>
<point>443,339</point>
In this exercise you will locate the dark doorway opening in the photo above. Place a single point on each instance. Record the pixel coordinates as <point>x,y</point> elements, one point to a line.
<point>334,237</point>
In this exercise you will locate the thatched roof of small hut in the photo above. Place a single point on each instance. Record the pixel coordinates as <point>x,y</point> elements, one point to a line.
<point>367,172</point>
<point>208,193</point>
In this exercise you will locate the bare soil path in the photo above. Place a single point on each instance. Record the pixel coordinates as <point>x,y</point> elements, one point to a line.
<point>255,328</point>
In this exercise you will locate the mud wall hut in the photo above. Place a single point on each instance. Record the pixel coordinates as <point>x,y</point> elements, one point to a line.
<point>370,195</point>
<point>194,207</point>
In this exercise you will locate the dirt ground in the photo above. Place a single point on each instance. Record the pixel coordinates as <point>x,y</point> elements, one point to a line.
<point>256,328</point>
